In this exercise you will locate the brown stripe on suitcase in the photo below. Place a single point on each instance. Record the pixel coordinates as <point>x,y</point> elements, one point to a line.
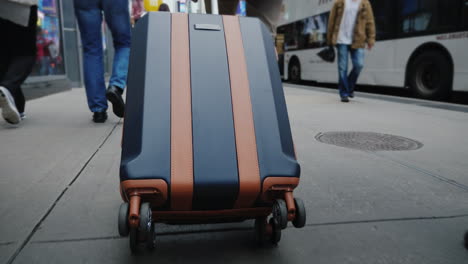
<point>247,159</point>
<point>181,116</point>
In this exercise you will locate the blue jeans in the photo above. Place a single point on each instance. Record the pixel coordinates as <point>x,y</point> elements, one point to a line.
<point>89,14</point>
<point>348,82</point>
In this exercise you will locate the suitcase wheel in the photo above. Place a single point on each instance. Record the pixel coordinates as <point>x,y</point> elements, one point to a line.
<point>260,230</point>
<point>145,221</point>
<point>145,233</point>
<point>267,231</point>
<point>276,231</point>
<point>466,240</point>
<point>133,239</point>
<point>123,220</point>
<point>290,209</point>
<point>299,220</point>
<point>280,213</point>
<point>151,239</point>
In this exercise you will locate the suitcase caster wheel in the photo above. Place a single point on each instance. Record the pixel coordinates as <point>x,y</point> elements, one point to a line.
<point>466,240</point>
<point>145,232</point>
<point>280,213</point>
<point>133,241</point>
<point>300,219</point>
<point>151,238</point>
<point>145,221</point>
<point>260,230</point>
<point>275,231</point>
<point>123,220</point>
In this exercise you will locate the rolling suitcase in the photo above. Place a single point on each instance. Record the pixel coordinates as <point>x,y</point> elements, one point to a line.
<point>206,135</point>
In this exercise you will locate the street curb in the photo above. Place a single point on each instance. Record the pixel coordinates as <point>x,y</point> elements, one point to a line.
<point>389,98</point>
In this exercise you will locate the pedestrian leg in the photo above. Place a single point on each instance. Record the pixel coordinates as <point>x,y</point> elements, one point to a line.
<point>18,70</point>
<point>343,86</point>
<point>118,19</point>
<point>89,17</point>
<point>357,58</point>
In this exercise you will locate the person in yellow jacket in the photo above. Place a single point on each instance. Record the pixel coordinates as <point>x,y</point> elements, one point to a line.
<point>152,5</point>
<point>351,26</point>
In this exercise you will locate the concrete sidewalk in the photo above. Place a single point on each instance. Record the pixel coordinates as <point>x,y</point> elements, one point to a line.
<point>59,193</point>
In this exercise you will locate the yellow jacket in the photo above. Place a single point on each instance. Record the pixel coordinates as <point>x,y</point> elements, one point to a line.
<point>364,31</point>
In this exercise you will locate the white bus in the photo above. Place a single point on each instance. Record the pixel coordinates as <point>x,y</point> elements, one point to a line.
<point>421,45</point>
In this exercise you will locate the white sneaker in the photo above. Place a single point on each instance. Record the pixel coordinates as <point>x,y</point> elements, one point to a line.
<point>7,104</point>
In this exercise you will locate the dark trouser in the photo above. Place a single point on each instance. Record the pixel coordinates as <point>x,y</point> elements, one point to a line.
<point>347,82</point>
<point>17,55</point>
<point>89,14</point>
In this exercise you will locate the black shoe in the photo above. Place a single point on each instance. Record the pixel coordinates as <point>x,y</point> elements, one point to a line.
<point>351,95</point>
<point>114,95</point>
<point>344,99</point>
<point>100,117</point>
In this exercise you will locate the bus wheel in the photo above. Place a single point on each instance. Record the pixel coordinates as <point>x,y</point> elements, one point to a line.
<point>430,75</point>
<point>294,72</point>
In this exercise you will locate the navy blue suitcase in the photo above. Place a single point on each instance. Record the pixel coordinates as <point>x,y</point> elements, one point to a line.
<point>206,135</point>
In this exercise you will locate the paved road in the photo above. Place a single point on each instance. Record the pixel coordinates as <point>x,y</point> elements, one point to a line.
<point>59,189</point>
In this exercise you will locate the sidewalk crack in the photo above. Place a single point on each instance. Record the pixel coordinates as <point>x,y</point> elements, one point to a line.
<point>385,220</point>
<point>36,227</point>
<point>422,171</point>
<point>7,243</point>
<point>235,229</point>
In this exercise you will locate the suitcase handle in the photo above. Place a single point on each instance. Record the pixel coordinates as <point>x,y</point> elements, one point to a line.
<point>211,27</point>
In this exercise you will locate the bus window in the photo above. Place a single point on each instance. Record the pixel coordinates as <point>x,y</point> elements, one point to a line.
<point>307,33</point>
<point>313,31</point>
<point>384,13</point>
<point>301,35</point>
<point>318,30</point>
<point>290,37</point>
<point>279,40</point>
<point>428,16</point>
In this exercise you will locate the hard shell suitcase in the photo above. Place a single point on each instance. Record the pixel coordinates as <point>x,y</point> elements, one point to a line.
<point>206,135</point>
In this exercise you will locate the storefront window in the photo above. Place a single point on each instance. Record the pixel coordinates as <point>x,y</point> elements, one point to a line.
<point>49,59</point>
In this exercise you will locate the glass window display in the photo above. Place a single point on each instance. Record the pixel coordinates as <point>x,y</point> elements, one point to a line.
<point>49,59</point>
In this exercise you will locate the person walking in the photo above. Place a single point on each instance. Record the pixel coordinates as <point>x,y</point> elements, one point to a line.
<point>18,19</point>
<point>164,8</point>
<point>89,14</point>
<point>196,6</point>
<point>137,11</point>
<point>350,27</point>
<point>43,54</point>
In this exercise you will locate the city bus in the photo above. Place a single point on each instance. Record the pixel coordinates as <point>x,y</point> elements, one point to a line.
<point>421,45</point>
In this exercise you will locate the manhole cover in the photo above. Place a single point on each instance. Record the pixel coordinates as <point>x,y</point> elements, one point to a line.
<point>368,141</point>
